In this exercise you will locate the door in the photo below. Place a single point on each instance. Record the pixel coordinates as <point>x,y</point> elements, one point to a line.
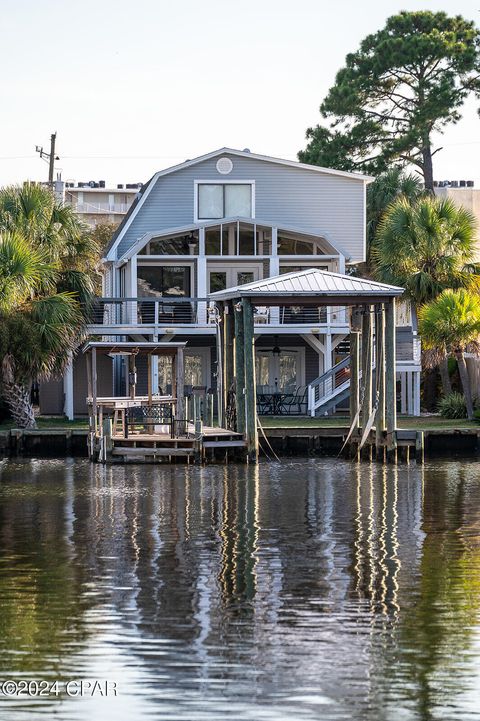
<point>221,277</point>
<point>284,373</point>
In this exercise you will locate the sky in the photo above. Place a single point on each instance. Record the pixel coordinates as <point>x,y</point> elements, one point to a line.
<point>132,87</point>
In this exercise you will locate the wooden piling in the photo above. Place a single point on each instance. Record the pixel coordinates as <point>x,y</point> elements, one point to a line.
<point>380,377</point>
<point>221,394</point>
<point>228,356</point>
<point>390,381</point>
<point>367,348</point>
<point>250,384</point>
<point>239,368</point>
<point>180,383</point>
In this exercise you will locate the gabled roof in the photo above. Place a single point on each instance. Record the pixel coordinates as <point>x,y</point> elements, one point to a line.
<point>310,283</point>
<point>145,190</point>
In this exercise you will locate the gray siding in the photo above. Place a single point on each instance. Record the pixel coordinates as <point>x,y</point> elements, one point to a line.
<point>313,201</point>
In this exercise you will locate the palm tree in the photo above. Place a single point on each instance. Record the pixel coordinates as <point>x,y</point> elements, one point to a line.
<point>426,247</point>
<point>54,230</point>
<point>450,324</point>
<point>389,186</point>
<point>47,277</point>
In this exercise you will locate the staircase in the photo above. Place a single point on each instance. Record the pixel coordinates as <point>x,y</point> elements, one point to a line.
<point>329,389</point>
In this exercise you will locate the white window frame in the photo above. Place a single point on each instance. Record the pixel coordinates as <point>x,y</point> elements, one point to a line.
<point>196,183</point>
<point>156,263</point>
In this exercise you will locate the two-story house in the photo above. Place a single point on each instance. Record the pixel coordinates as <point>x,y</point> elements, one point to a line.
<point>228,218</point>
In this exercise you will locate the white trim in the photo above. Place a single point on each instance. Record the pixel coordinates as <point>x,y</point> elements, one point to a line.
<point>218,221</point>
<point>229,151</point>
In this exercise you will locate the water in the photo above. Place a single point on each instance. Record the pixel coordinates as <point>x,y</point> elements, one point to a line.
<point>302,590</point>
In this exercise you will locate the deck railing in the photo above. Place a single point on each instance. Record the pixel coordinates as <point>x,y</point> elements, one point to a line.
<point>180,310</point>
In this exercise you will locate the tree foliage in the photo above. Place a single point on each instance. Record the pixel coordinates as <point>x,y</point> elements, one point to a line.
<point>406,81</point>
<point>450,324</point>
<point>47,277</point>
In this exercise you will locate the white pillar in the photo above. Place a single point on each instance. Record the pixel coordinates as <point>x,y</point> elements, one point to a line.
<point>416,392</point>
<point>403,393</point>
<point>133,290</point>
<point>410,393</point>
<point>68,390</point>
<point>202,277</point>
<point>274,269</point>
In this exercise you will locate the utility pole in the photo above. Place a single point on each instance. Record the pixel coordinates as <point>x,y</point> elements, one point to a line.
<point>50,157</point>
<point>53,138</point>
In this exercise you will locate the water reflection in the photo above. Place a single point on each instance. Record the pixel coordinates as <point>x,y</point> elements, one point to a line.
<point>306,589</point>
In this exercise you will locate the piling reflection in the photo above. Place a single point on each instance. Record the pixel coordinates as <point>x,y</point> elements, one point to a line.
<point>288,587</point>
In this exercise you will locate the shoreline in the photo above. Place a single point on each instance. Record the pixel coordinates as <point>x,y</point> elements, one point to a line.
<point>285,440</point>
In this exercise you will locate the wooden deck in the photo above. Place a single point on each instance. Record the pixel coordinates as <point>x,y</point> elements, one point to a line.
<point>161,447</point>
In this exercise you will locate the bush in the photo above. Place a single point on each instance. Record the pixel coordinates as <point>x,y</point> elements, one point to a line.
<point>453,406</point>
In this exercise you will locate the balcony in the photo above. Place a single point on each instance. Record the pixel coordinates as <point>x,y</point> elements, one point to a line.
<point>101,208</point>
<point>108,315</point>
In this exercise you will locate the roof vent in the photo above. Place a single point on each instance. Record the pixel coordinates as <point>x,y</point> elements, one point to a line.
<point>224,166</point>
<point>246,150</point>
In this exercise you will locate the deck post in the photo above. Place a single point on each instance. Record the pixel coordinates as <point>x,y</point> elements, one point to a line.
<point>380,373</point>
<point>180,383</point>
<point>390,381</point>
<point>250,384</point>
<point>239,368</point>
<point>367,347</point>
<point>228,357</point>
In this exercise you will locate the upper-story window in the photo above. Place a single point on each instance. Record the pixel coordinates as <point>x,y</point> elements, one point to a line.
<point>224,200</point>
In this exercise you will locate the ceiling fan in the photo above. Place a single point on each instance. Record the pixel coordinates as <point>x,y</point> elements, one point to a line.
<point>276,350</point>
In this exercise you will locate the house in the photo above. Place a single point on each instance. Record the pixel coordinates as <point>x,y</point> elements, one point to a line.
<point>228,218</point>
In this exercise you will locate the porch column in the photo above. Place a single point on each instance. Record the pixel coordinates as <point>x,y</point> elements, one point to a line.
<point>390,381</point>
<point>250,381</point>
<point>239,368</point>
<point>68,389</point>
<point>201,278</point>
<point>274,269</point>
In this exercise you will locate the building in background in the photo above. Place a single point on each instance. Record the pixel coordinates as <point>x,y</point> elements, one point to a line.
<point>463,193</point>
<point>95,203</point>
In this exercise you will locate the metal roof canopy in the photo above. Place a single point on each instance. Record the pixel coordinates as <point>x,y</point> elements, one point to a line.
<point>141,348</point>
<point>311,287</point>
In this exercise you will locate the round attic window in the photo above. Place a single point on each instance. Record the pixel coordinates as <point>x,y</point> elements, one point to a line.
<point>224,166</point>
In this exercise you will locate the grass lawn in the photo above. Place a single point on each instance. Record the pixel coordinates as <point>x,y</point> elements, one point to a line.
<point>425,423</point>
<point>50,422</point>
